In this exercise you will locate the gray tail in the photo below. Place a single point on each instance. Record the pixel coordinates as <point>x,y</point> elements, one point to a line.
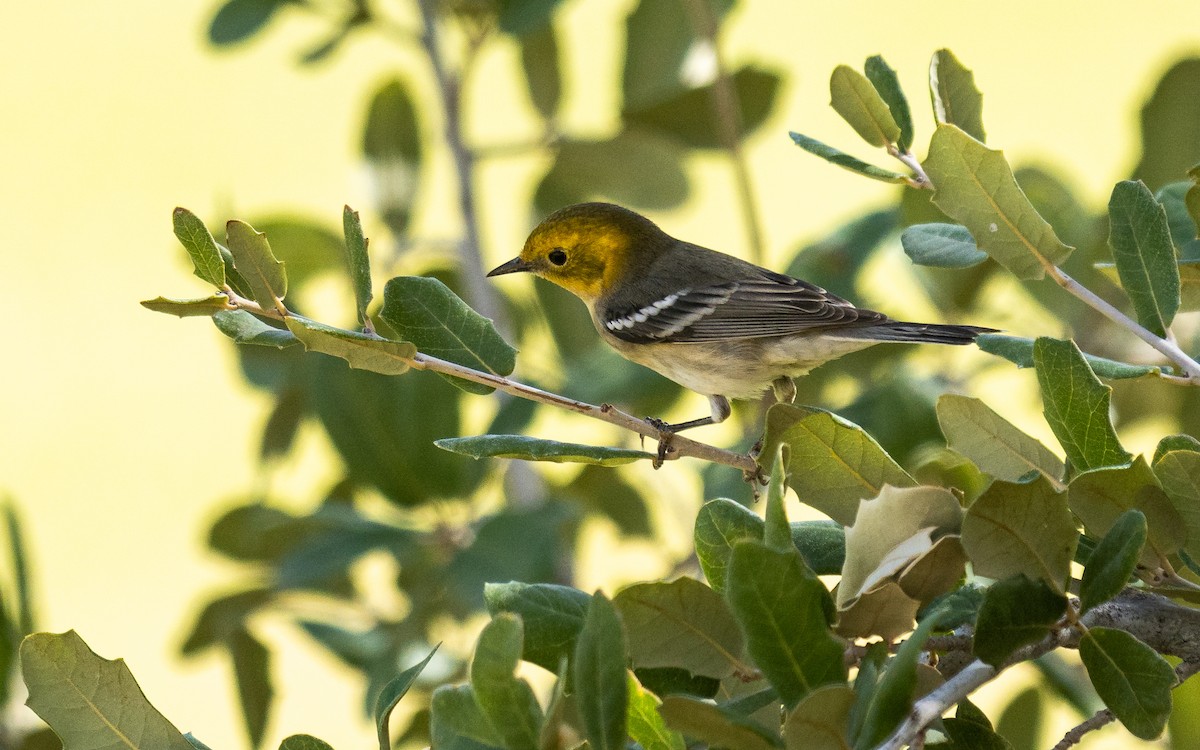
<point>928,333</point>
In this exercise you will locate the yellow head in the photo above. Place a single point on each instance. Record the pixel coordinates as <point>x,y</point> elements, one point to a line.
<point>586,248</point>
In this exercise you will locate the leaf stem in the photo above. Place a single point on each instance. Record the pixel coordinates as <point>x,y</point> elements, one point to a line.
<point>921,181</point>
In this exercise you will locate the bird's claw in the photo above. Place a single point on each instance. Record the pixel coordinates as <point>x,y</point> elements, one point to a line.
<point>665,435</point>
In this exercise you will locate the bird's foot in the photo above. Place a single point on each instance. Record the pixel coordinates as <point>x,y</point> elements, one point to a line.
<point>666,433</point>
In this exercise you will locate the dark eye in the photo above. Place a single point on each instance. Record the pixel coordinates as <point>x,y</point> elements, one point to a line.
<point>558,256</point>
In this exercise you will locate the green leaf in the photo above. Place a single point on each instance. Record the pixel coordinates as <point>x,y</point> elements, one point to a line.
<point>1180,224</point>
<point>854,98</point>
<point>833,464</point>
<point>822,544</point>
<point>88,701</point>
<point>941,246</point>
<point>252,672</point>
<point>1172,443</point>
<point>1179,473</point>
<point>23,617</point>
<point>720,525</point>
<point>716,726</point>
<point>664,681</point>
<point>965,733</point>
<point>200,246</point>
<point>688,115</point>
<point>846,161</point>
<point>507,702</point>
<point>785,612</point>
<point>363,351</point>
<point>552,615</point>
<point>587,170</point>
<point>893,697</point>
<point>955,98</point>
<point>1019,351</point>
<point>600,681</point>
<point>1144,254</point>
<point>660,39</point>
<point>456,722</point>
<point>1113,561</point>
<point>536,449</point>
<point>392,147</point>
<point>975,187</point>
<point>540,64</point>
<point>1021,529</point>
<point>522,17</point>
<point>186,308</point>
<point>820,721</point>
<point>1170,125</point>
<point>646,724</point>
<point>1076,406</point>
<point>1021,721</point>
<point>424,311</point>
<point>252,257</point>
<point>1015,612</point>
<point>682,624</point>
<point>304,742</point>
<point>238,20</point>
<point>777,533</point>
<point>1132,680</point>
<point>1101,496</point>
<point>995,445</point>
<point>884,79</point>
<point>359,262</point>
<point>245,328</point>
<point>389,697</point>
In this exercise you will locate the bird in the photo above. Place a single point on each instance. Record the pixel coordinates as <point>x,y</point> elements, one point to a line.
<point>713,323</point>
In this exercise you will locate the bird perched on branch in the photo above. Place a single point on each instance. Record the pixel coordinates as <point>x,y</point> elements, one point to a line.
<point>713,323</point>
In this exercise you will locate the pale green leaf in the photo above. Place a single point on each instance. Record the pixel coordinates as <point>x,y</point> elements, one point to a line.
<point>716,726</point>
<point>600,683</point>
<point>253,259</point>
<point>975,187</point>
<point>245,328</point>
<point>884,79</point>
<point>363,351</point>
<point>389,697</point>
<point>456,722</point>
<point>1101,496</point>
<point>358,261</point>
<point>846,161</point>
<point>91,703</point>
<point>200,245</point>
<point>186,308</point>
<point>1076,405</point>
<point>777,533</point>
<point>821,720</point>
<point>1021,529</point>
<point>720,525</point>
<point>995,445</point>
<point>956,100</point>
<point>941,246</point>
<point>854,98</point>
<point>1113,560</point>
<point>535,449</point>
<point>1132,680</point>
<point>1145,257</point>
<point>1179,473</point>
<point>646,724</point>
<point>884,612</point>
<point>682,624</point>
<point>507,701</point>
<point>1019,351</point>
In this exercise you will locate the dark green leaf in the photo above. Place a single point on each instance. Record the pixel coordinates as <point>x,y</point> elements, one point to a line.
<point>660,38</point>
<point>1177,200</point>
<point>283,423</point>
<point>522,17</point>
<point>822,544</point>
<point>854,98</point>
<point>688,116</point>
<point>390,697</point>
<point>507,701</point>
<point>833,464</point>
<point>1020,722</point>
<point>362,351</point>
<point>186,308</point>
<point>1132,680</point>
<point>1113,561</point>
<point>965,734</point>
<point>359,262</point>
<point>1145,257</point>
<point>304,742</point>
<point>392,146</point>
<point>893,697</point>
<point>995,445</point>
<point>975,187</point>
<point>539,62</point>
<point>1021,529</point>
<point>609,494</point>
<point>238,20</point>
<point>537,449</point>
<point>664,681</point>
<point>91,702</point>
<point>255,532</point>
<point>587,170</point>
<point>1076,406</point>
<point>1170,123</point>
<point>884,79</point>
<point>191,738</point>
<point>252,671</point>
<point>777,533</point>
<point>716,726</point>
<point>1099,497</point>
<point>552,615</point>
<point>844,160</point>
<point>785,612</point>
<point>956,100</point>
<point>424,311</point>
<point>600,682</point>
<point>457,722</point>
<point>957,608</point>
<point>1019,351</point>
<point>245,328</point>
<point>252,257</point>
<point>23,617</point>
<point>941,246</point>
<point>222,617</point>
<point>308,249</point>
<point>1172,443</point>
<point>200,245</point>
<point>720,525</point>
<point>1015,612</point>
<point>682,624</point>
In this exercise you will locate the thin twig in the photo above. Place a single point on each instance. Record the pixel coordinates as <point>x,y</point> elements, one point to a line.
<point>1105,716</point>
<point>921,181</point>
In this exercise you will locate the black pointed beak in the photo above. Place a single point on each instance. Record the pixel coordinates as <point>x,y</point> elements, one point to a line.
<point>516,265</point>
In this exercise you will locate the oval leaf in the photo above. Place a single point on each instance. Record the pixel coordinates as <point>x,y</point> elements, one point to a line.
<point>1132,680</point>
<point>1145,256</point>
<point>1113,561</point>
<point>941,246</point>
<point>600,676</point>
<point>720,525</point>
<point>245,328</point>
<point>359,262</point>
<point>1019,351</point>
<point>536,449</point>
<point>854,98</point>
<point>846,161</point>
<point>363,351</point>
<point>996,446</point>
<point>884,79</point>
<point>1179,473</point>
<point>1101,496</point>
<point>716,726</point>
<point>1015,612</point>
<point>507,701</point>
<point>253,259</point>
<point>956,100</point>
<point>200,245</point>
<point>1076,406</point>
<point>552,615</point>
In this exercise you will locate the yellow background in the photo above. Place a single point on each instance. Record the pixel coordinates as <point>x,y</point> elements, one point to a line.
<point>124,433</point>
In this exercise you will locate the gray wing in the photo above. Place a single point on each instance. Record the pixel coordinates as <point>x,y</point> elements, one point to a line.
<point>775,305</point>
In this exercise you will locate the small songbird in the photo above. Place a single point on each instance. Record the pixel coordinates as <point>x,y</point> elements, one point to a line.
<point>713,323</point>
